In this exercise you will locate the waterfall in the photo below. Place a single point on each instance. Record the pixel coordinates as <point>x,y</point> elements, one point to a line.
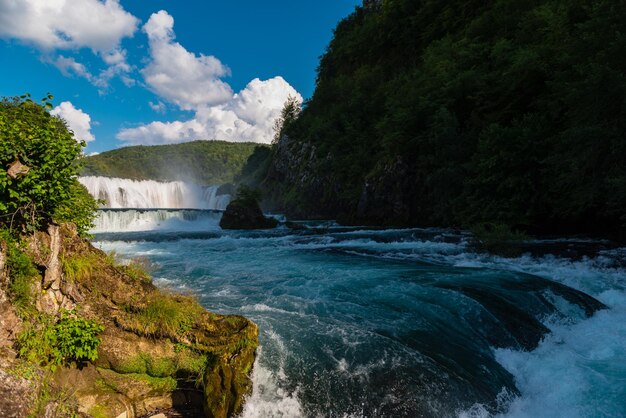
<point>131,205</point>
<point>132,220</point>
<point>150,194</point>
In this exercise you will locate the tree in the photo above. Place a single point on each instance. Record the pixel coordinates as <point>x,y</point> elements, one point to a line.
<point>291,111</point>
<point>38,166</point>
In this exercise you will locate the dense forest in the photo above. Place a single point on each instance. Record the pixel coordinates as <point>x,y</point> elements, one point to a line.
<point>461,112</point>
<point>203,162</point>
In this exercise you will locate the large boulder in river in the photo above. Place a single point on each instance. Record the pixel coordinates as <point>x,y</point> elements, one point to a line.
<point>245,213</point>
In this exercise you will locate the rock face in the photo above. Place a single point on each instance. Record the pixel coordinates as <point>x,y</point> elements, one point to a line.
<point>160,352</point>
<point>17,169</point>
<point>245,214</point>
<point>299,183</point>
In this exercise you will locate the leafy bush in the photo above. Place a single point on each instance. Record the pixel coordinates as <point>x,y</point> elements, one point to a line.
<point>70,339</point>
<point>46,152</point>
<point>77,338</point>
<point>79,208</point>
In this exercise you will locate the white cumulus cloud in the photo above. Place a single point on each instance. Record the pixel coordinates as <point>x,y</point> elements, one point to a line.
<point>193,82</point>
<point>247,116</point>
<point>180,76</point>
<point>67,24</point>
<point>53,25</point>
<point>77,120</point>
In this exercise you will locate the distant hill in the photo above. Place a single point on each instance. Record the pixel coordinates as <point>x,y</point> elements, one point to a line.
<point>203,162</point>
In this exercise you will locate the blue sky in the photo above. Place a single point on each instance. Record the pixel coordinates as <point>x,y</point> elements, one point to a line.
<point>123,74</point>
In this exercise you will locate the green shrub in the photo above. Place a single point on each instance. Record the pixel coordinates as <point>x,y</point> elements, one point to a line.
<point>80,208</point>
<point>77,338</point>
<point>52,344</point>
<point>42,143</point>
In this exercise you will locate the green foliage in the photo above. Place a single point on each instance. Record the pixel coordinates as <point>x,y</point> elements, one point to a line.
<point>203,162</point>
<point>505,111</point>
<point>22,274</point>
<point>79,267</point>
<point>137,270</point>
<point>288,115</point>
<point>256,167</point>
<point>30,136</point>
<point>80,208</point>
<point>49,343</point>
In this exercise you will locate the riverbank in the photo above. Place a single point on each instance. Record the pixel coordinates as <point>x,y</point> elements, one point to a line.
<point>84,334</point>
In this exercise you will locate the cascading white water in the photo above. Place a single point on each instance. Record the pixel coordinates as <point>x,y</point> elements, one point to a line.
<point>132,220</point>
<point>150,194</point>
<point>148,204</point>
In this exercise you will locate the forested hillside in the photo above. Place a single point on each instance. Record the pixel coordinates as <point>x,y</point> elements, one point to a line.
<point>203,162</point>
<point>460,112</point>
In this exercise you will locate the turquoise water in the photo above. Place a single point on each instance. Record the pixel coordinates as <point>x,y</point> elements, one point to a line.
<point>406,323</point>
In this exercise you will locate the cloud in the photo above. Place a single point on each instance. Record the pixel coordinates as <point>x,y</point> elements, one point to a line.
<point>247,116</point>
<point>158,107</point>
<point>192,82</point>
<point>70,67</point>
<point>77,120</point>
<point>179,76</point>
<point>53,25</point>
<point>67,24</point>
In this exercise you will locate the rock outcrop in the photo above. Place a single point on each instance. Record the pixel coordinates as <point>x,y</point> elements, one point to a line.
<point>160,352</point>
<point>245,214</point>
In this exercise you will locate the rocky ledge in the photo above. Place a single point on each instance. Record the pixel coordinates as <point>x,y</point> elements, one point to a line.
<point>159,352</point>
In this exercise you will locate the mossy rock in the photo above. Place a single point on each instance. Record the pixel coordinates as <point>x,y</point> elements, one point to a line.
<point>159,350</point>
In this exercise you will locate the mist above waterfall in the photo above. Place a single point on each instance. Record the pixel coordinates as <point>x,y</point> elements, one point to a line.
<point>117,193</point>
